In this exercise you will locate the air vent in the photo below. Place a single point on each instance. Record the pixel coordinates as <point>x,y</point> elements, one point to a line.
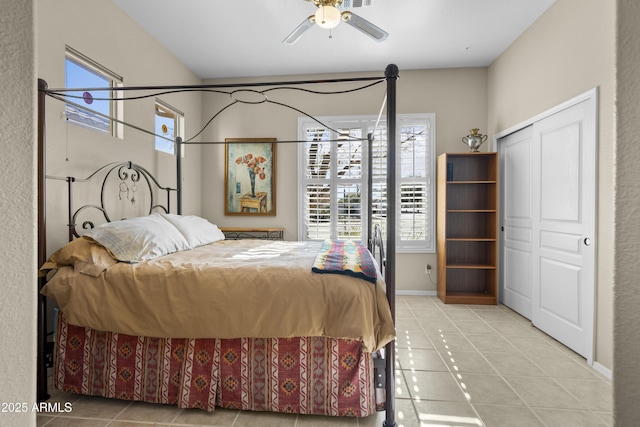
<point>350,4</point>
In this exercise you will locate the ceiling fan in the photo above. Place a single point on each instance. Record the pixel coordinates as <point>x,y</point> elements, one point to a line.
<point>329,16</point>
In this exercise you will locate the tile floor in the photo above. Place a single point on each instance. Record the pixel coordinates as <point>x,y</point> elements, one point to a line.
<point>457,366</point>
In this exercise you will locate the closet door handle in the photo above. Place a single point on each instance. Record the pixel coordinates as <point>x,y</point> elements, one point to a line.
<point>587,241</point>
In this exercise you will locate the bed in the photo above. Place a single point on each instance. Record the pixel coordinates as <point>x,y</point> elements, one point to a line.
<point>161,308</point>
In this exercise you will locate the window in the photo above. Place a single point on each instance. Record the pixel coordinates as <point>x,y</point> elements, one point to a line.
<point>90,108</point>
<point>169,125</point>
<point>333,182</point>
<point>333,177</point>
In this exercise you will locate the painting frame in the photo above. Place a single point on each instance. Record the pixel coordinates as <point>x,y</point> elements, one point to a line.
<point>250,176</point>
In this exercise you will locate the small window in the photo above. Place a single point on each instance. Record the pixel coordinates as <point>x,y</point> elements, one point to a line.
<point>169,124</point>
<point>87,107</point>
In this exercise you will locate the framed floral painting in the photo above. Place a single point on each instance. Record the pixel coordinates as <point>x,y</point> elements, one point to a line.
<point>250,176</point>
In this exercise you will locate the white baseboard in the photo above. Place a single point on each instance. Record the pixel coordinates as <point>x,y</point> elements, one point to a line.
<point>603,370</point>
<point>418,293</point>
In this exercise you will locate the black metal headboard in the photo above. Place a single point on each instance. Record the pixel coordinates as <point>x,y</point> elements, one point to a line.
<point>126,189</point>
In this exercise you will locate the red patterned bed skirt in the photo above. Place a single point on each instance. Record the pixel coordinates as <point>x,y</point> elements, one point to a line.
<point>313,375</point>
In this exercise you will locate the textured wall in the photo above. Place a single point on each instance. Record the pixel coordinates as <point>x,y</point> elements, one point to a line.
<point>17,210</point>
<point>627,229</point>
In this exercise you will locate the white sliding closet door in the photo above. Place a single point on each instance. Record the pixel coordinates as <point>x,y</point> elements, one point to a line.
<point>548,222</point>
<point>516,220</point>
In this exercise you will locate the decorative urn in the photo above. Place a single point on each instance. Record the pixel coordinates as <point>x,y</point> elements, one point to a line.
<point>474,140</point>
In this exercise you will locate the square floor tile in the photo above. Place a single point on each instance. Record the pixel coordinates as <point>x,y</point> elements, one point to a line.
<point>510,328</point>
<point>41,420</point>
<point>596,395</point>
<point>513,363</point>
<point>436,413</point>
<point>149,412</point>
<point>421,360</point>
<point>543,392</point>
<point>117,423</point>
<point>220,417</point>
<point>467,362</point>
<point>414,302</point>
<point>491,316</point>
<point>265,419</point>
<point>533,345</point>
<point>453,341</point>
<point>401,391</point>
<point>437,325</point>
<point>484,307</point>
<point>321,421</point>
<point>427,385</point>
<point>474,327</point>
<point>57,396</point>
<point>402,309</point>
<point>606,417</point>
<point>413,339</point>
<point>490,389</point>
<point>98,407</point>
<point>62,421</point>
<point>407,325</point>
<point>490,343</point>
<point>405,415</point>
<point>460,313</point>
<point>567,418</point>
<point>508,416</point>
<point>563,366</point>
<point>433,313</point>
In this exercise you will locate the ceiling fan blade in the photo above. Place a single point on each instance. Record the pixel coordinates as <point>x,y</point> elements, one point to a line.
<point>365,26</point>
<point>300,30</point>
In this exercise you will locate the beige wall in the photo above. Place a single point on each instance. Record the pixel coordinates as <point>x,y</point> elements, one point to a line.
<point>458,97</point>
<point>76,151</point>
<point>566,52</point>
<point>627,233</point>
<point>17,204</point>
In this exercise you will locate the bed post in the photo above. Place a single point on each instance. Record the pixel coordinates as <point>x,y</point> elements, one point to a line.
<point>179,173</point>
<point>43,393</point>
<point>370,192</point>
<point>391,74</point>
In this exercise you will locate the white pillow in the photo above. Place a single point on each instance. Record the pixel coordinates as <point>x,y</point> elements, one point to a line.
<point>198,231</point>
<point>138,239</point>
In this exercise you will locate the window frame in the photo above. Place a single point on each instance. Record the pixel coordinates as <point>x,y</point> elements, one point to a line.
<point>116,106</point>
<point>427,245</point>
<point>178,125</point>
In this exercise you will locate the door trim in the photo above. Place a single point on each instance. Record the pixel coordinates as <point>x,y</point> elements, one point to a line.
<point>590,95</point>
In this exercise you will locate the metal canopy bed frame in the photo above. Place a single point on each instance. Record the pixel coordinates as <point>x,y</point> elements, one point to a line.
<point>386,373</point>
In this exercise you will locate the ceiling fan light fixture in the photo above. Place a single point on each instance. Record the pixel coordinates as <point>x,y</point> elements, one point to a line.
<point>327,17</point>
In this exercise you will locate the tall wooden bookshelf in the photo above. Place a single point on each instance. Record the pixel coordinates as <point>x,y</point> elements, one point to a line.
<point>467,228</point>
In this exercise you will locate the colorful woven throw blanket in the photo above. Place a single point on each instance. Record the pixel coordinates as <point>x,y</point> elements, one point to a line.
<point>345,257</point>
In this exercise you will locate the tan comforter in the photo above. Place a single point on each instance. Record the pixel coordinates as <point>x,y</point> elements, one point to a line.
<point>227,289</point>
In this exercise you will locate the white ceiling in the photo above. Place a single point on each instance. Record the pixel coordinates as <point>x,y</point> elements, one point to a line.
<point>242,38</point>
